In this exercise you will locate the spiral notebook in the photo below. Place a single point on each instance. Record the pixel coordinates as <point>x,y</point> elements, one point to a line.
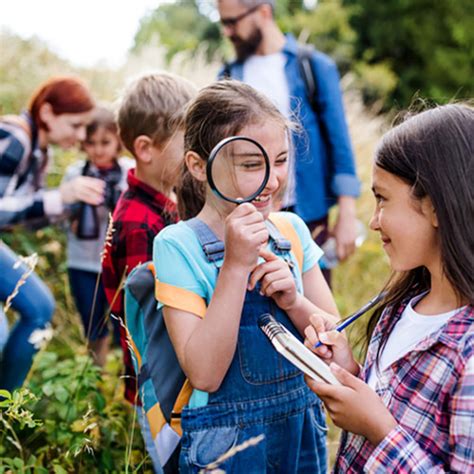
<point>294,351</point>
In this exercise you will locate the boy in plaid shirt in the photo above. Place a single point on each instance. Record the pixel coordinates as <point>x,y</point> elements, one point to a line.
<point>410,409</point>
<point>150,121</point>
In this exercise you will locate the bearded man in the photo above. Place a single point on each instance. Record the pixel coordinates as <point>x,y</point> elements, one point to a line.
<point>322,171</point>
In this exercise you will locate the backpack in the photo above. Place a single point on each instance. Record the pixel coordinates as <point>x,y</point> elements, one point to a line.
<point>162,385</point>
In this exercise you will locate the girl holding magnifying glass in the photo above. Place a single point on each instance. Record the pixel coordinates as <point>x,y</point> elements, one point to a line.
<point>217,272</point>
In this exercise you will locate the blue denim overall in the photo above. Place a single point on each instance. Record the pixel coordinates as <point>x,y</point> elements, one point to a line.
<point>262,393</point>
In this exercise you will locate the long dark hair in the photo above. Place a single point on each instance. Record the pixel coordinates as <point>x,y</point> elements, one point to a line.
<point>433,152</point>
<point>220,110</point>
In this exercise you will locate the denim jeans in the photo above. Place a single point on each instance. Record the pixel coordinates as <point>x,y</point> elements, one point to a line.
<point>34,304</point>
<point>3,331</point>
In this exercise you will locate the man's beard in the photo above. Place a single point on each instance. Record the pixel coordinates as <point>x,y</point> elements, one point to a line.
<point>244,48</point>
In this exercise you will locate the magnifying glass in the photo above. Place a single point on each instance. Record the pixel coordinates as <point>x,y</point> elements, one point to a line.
<point>238,169</point>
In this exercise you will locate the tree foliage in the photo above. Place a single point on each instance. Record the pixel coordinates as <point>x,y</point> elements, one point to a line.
<point>429,45</point>
<point>23,65</point>
<point>179,26</point>
<point>327,27</point>
<point>396,49</point>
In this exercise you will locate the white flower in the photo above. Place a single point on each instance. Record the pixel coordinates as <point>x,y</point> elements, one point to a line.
<point>39,337</point>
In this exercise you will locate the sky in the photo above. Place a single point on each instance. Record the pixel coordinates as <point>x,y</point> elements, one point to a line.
<point>85,32</point>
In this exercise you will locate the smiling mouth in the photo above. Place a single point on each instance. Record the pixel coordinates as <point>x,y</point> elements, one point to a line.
<point>262,199</point>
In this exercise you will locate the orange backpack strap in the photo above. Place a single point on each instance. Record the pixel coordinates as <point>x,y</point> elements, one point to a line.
<point>289,232</point>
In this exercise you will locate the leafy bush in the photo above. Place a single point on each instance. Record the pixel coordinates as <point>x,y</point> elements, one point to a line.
<point>430,45</point>
<point>70,419</point>
<point>376,82</point>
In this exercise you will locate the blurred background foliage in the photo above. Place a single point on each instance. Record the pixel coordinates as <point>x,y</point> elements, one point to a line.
<point>392,51</point>
<point>388,53</point>
<point>396,48</point>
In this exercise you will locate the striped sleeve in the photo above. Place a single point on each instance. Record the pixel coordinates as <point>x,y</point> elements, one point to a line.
<point>16,206</point>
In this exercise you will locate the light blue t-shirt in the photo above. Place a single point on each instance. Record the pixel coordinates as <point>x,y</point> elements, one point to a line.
<point>180,261</point>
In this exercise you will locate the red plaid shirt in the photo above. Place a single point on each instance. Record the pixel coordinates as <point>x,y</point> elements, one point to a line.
<point>430,392</point>
<point>140,214</point>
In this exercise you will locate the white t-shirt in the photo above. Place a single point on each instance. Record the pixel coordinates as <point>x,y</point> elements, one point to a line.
<point>267,75</point>
<point>410,329</point>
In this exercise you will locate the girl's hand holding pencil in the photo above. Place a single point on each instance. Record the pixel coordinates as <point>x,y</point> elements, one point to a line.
<point>354,406</point>
<point>326,339</point>
<point>334,347</point>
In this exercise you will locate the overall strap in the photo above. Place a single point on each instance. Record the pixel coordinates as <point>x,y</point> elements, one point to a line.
<point>212,247</point>
<point>279,243</point>
<point>289,232</point>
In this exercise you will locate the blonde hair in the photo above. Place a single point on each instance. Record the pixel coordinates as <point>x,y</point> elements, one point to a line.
<point>153,105</point>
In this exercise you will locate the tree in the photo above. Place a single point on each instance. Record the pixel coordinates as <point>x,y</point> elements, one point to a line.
<point>429,44</point>
<point>179,26</point>
<point>24,64</point>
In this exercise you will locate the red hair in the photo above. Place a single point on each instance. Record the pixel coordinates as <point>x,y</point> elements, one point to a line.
<point>66,95</point>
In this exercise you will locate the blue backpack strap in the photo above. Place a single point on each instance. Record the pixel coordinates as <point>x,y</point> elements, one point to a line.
<point>211,245</point>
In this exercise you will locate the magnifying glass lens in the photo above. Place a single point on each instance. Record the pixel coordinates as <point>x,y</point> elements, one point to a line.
<point>239,170</point>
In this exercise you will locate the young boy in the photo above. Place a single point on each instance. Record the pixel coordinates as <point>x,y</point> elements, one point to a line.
<point>150,121</point>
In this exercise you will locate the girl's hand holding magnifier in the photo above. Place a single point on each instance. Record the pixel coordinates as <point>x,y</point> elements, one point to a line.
<point>245,234</point>
<point>237,171</point>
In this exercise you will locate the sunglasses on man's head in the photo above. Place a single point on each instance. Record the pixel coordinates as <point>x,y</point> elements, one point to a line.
<point>232,21</point>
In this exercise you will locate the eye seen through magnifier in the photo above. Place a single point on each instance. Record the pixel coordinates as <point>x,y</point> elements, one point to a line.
<point>238,169</point>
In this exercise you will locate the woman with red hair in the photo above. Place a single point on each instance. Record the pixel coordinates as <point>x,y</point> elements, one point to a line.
<point>57,115</point>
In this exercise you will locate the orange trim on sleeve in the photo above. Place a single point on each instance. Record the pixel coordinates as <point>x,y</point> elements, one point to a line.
<point>180,298</point>
<point>287,230</point>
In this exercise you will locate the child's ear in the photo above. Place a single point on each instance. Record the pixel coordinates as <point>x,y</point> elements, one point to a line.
<point>429,211</point>
<point>196,165</point>
<point>142,147</point>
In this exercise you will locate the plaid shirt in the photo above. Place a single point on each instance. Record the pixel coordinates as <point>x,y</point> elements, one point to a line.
<point>140,214</point>
<point>430,392</point>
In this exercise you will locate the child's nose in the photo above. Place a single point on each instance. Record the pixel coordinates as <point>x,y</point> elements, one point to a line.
<point>273,180</point>
<point>374,221</point>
